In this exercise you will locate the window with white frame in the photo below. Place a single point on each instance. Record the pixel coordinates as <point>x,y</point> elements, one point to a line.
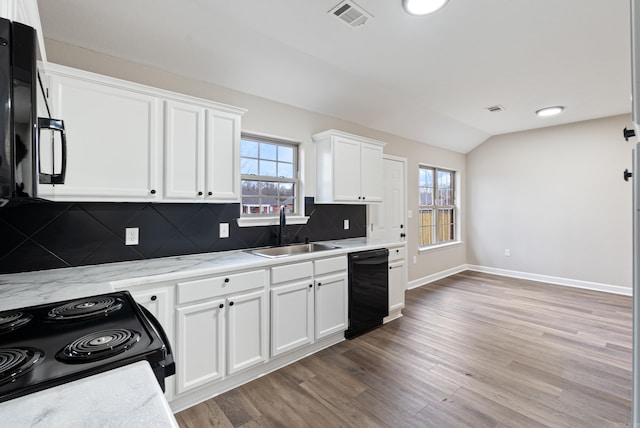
<point>437,211</point>
<point>269,173</point>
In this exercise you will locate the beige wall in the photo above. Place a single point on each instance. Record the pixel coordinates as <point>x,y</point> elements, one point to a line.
<point>282,120</point>
<point>555,197</point>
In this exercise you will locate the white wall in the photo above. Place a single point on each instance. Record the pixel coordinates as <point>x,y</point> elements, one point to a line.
<point>282,120</point>
<point>556,198</point>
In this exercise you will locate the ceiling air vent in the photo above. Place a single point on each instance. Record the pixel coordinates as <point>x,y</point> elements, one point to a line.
<point>350,13</point>
<point>494,109</point>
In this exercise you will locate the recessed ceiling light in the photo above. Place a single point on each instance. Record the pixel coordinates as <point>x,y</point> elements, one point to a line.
<point>422,7</point>
<point>550,111</point>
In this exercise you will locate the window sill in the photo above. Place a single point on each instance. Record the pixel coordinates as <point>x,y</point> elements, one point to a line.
<point>438,247</point>
<point>270,221</point>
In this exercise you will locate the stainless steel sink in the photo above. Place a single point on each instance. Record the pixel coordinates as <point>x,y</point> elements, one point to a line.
<point>289,250</point>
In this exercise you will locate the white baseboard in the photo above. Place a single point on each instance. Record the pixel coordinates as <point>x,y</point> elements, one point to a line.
<point>567,282</point>
<point>435,276</point>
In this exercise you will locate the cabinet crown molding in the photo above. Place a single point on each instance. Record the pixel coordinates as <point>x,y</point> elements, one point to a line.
<point>321,136</point>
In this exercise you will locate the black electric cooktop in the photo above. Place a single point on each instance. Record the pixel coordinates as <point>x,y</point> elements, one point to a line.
<point>51,344</point>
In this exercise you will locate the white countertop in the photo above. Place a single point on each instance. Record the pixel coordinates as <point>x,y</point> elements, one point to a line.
<point>128,396</point>
<point>35,288</point>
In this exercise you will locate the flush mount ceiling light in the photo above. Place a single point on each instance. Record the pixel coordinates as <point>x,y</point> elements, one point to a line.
<point>422,7</point>
<point>550,111</point>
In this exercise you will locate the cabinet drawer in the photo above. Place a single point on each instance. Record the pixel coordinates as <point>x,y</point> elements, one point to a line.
<point>190,291</point>
<point>330,265</point>
<point>396,253</point>
<point>291,272</point>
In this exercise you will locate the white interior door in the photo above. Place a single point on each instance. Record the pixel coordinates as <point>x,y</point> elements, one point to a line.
<point>388,219</point>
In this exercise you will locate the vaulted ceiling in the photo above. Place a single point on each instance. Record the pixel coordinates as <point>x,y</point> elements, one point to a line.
<point>428,78</point>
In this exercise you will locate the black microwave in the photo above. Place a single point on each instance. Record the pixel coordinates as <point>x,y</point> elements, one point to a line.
<point>20,128</point>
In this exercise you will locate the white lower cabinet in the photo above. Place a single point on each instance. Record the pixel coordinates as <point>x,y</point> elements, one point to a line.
<point>291,307</point>
<point>159,300</point>
<point>291,316</point>
<point>397,282</point>
<point>331,296</point>
<point>200,346</point>
<point>247,333</point>
<point>219,335</point>
<point>308,302</point>
<point>229,328</point>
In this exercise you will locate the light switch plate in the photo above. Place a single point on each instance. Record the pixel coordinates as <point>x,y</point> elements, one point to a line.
<point>346,224</point>
<point>224,230</point>
<point>131,236</point>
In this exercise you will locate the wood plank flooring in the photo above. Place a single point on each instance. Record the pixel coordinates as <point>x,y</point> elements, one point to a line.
<point>473,350</point>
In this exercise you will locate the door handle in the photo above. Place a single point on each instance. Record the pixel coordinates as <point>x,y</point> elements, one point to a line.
<point>628,133</point>
<point>627,175</point>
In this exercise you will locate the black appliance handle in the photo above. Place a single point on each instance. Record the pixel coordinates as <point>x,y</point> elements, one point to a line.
<point>369,254</point>
<point>55,125</point>
<point>169,364</point>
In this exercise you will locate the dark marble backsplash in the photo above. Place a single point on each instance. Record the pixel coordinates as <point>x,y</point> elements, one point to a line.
<point>48,235</point>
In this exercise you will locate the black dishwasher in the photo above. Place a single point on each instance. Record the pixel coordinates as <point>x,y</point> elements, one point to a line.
<point>368,290</point>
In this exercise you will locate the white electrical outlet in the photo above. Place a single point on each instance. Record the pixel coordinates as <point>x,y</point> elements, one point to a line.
<point>346,224</point>
<point>224,230</point>
<point>131,236</point>
<point>507,252</point>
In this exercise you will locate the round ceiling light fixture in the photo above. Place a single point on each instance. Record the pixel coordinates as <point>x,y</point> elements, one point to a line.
<point>550,111</point>
<point>422,7</point>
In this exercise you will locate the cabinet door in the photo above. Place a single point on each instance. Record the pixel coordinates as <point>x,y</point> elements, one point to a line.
<point>291,316</point>
<point>396,285</point>
<point>159,302</point>
<point>331,304</point>
<point>112,141</point>
<point>371,173</point>
<point>247,331</point>
<point>346,170</point>
<point>200,344</point>
<point>223,156</point>
<point>184,151</point>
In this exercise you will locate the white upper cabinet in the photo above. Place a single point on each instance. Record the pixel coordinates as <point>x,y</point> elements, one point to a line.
<point>112,140</point>
<point>348,168</point>
<point>201,153</point>
<point>223,155</point>
<point>129,142</point>
<point>26,12</point>
<point>184,151</point>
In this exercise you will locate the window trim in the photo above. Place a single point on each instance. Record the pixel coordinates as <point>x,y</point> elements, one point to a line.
<point>250,220</point>
<point>456,208</point>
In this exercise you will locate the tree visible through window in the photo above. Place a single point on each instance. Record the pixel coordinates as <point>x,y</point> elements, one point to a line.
<point>269,170</point>
<point>437,212</point>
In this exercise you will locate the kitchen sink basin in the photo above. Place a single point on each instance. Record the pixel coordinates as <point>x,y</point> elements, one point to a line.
<point>290,250</point>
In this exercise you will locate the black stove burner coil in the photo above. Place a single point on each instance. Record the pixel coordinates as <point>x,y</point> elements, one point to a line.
<point>98,346</point>
<point>89,307</point>
<point>12,320</point>
<point>16,362</point>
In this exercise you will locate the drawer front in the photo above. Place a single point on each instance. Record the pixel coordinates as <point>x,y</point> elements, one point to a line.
<point>396,253</point>
<point>287,273</point>
<point>207,288</point>
<point>330,265</point>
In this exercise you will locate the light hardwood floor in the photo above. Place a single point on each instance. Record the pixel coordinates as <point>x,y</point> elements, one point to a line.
<point>473,350</point>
